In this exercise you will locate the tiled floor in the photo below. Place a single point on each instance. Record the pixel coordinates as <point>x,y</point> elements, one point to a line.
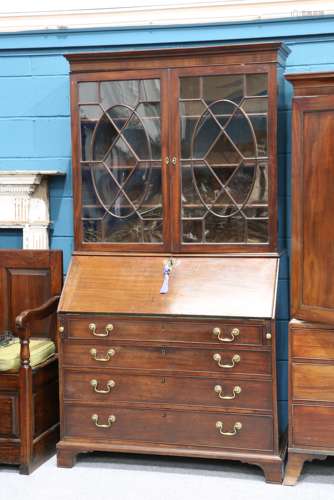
<point>125,477</point>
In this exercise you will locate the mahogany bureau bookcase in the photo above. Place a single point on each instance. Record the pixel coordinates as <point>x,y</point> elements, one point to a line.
<point>311,333</point>
<point>167,317</point>
<point>30,286</point>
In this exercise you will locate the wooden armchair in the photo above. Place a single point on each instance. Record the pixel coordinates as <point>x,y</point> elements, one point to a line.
<point>30,281</point>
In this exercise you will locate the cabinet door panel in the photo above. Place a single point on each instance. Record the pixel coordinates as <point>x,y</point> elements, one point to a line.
<point>313,202</point>
<point>122,122</point>
<point>224,136</point>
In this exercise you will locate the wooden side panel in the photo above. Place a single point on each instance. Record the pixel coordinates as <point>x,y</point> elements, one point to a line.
<point>313,426</point>
<point>313,209</point>
<point>46,407</point>
<point>312,344</point>
<point>9,417</point>
<point>312,382</point>
<point>27,279</point>
<point>27,289</point>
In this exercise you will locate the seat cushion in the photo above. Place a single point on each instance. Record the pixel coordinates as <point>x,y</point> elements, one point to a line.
<point>40,351</point>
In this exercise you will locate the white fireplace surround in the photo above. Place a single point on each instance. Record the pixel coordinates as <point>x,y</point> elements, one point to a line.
<point>24,204</point>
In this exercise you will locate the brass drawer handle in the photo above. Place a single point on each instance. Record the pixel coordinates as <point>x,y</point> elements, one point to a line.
<point>219,390</point>
<point>234,333</point>
<point>236,428</point>
<point>109,355</point>
<point>235,360</point>
<point>110,384</point>
<point>111,420</point>
<point>108,329</point>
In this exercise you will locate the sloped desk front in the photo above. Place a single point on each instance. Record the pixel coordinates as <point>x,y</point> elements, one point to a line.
<point>191,372</point>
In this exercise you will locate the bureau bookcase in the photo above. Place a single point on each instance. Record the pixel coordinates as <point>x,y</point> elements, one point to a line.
<point>311,331</point>
<point>167,317</point>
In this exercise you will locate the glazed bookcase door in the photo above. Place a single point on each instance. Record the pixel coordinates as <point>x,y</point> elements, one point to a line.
<point>226,159</point>
<point>312,290</point>
<point>119,172</point>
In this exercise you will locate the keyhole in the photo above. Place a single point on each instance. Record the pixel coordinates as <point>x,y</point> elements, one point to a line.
<point>163,380</point>
<point>163,351</point>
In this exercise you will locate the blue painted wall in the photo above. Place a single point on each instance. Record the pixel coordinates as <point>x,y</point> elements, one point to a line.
<point>35,121</point>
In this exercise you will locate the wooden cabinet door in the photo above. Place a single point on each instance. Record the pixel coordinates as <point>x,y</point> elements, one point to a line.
<point>120,146</point>
<point>313,209</point>
<point>224,189</point>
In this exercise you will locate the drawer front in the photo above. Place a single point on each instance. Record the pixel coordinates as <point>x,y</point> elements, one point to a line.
<point>313,426</point>
<point>168,358</point>
<point>113,387</point>
<point>9,416</point>
<point>312,382</point>
<point>173,427</point>
<point>313,344</point>
<point>216,332</point>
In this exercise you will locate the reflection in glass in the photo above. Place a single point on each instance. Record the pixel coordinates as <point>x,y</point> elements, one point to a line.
<point>121,161</point>
<point>224,151</point>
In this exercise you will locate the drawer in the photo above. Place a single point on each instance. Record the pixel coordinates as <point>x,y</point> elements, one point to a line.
<point>168,358</point>
<point>312,382</point>
<point>164,330</point>
<point>9,416</point>
<point>313,426</point>
<point>118,386</point>
<point>313,344</point>
<point>172,427</point>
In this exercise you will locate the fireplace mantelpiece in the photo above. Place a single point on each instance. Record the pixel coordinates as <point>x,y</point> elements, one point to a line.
<point>24,204</point>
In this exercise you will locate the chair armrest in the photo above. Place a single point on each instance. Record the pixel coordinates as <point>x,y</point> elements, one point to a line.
<point>50,306</point>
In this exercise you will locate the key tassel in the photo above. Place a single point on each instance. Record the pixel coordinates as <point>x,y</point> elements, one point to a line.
<point>166,272</point>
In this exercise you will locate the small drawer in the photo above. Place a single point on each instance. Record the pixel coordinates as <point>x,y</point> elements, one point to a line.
<point>115,386</point>
<point>312,344</point>
<point>223,361</point>
<point>312,382</point>
<point>172,427</point>
<point>9,416</point>
<point>313,426</point>
<point>211,331</point>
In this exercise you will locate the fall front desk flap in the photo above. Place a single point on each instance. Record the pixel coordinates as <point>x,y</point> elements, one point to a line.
<point>156,285</point>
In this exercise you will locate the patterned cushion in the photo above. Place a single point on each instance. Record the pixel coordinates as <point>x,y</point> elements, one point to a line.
<point>40,351</point>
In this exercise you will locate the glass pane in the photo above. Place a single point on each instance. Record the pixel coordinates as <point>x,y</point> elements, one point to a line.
<point>259,124</point>
<point>121,173</point>
<point>88,92</point>
<point>255,105</point>
<point>256,84</point>
<point>223,146</point>
<point>227,230</point>
<point>220,87</point>
<point>190,88</point>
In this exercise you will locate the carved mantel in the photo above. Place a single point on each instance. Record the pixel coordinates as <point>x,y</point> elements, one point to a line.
<point>24,204</point>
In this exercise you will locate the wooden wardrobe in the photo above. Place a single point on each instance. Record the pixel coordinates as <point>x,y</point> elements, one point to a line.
<point>311,332</point>
<point>167,317</point>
